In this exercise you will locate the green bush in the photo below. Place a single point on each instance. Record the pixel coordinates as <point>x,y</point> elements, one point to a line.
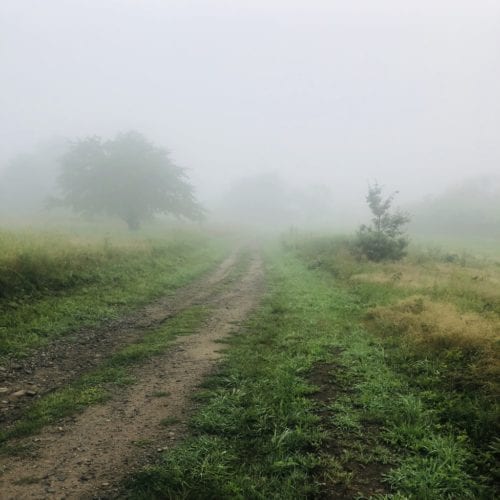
<point>384,238</point>
<point>377,246</point>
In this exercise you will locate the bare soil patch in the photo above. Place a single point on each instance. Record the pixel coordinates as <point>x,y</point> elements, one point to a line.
<point>87,456</point>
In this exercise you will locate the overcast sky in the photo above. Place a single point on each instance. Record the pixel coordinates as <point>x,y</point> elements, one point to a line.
<point>325,92</point>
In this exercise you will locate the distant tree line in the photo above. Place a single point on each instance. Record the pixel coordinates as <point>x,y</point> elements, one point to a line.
<point>470,209</point>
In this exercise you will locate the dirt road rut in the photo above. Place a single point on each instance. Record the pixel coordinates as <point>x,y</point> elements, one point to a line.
<point>66,358</point>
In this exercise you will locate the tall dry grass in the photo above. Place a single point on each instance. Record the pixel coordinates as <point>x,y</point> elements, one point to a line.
<point>440,329</point>
<point>34,263</point>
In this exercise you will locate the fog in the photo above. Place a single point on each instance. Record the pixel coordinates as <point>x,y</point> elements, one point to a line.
<point>306,101</point>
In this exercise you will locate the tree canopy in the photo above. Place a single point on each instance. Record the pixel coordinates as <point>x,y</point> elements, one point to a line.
<point>127,177</point>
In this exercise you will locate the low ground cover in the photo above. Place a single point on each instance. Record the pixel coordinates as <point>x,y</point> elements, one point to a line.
<point>437,316</point>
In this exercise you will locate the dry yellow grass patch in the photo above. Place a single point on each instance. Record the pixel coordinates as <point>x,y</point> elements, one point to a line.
<point>439,328</point>
<point>406,274</point>
<point>401,276</point>
<point>450,279</point>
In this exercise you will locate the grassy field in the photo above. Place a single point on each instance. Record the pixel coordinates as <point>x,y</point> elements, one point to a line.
<point>437,316</point>
<point>52,282</point>
<point>353,380</point>
<point>350,380</point>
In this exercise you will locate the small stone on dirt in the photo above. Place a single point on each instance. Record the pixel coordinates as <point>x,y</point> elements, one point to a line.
<point>19,394</point>
<point>4,390</point>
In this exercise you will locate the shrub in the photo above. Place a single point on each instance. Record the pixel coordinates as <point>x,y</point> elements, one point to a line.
<point>384,238</point>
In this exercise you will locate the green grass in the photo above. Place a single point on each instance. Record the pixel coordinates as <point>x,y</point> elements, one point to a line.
<point>438,319</point>
<point>266,429</point>
<point>436,342</point>
<point>54,283</point>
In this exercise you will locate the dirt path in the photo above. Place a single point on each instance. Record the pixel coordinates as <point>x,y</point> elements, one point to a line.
<point>89,456</point>
<point>68,357</point>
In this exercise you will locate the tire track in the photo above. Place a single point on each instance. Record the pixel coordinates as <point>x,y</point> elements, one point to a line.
<point>90,457</point>
<point>67,358</point>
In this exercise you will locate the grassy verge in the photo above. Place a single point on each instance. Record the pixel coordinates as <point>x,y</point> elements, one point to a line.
<point>309,404</point>
<point>52,284</point>
<point>438,318</point>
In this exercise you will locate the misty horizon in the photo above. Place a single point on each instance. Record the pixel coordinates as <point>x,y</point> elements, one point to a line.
<point>319,94</point>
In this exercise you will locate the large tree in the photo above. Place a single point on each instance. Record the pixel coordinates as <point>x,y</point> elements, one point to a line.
<point>127,177</point>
